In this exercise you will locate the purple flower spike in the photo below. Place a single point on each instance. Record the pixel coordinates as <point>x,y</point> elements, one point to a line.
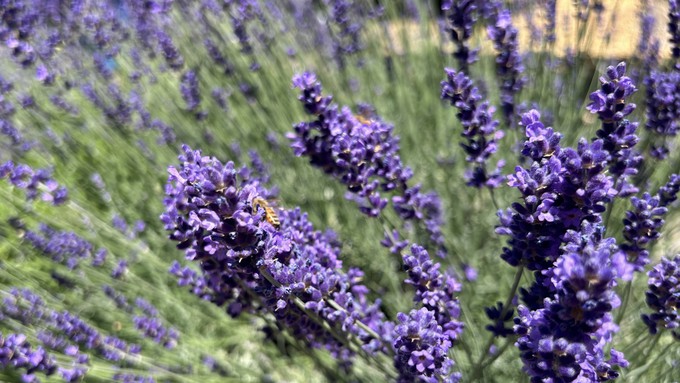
<point>362,152</point>
<point>617,133</point>
<point>674,29</point>
<point>18,354</point>
<point>643,223</point>
<point>435,290</point>
<point>509,67</point>
<point>564,339</point>
<point>422,349</point>
<point>290,271</point>
<point>663,110</point>
<point>663,297</point>
<point>461,16</point>
<point>35,183</point>
<point>190,91</point>
<point>479,128</point>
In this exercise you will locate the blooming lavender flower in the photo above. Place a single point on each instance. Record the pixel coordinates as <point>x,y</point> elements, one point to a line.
<point>422,349</point>
<point>120,270</point>
<point>435,290</point>
<point>64,105</point>
<point>663,110</point>
<point>663,297</point>
<point>63,247</point>
<point>18,354</point>
<point>199,286</point>
<point>461,17</point>
<point>479,128</point>
<point>38,182</point>
<point>562,188</point>
<point>62,328</point>
<point>151,327</point>
<point>172,56</point>
<point>190,92</point>
<point>346,20</point>
<point>509,66</point>
<point>119,299</point>
<point>643,223</point>
<point>220,97</point>
<point>642,226</point>
<point>617,133</point>
<point>217,57</point>
<point>668,193</point>
<point>648,46</point>
<point>292,272</point>
<point>362,152</point>
<point>564,340</point>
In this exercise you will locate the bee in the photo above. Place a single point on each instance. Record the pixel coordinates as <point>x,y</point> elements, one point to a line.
<point>363,119</point>
<point>269,213</point>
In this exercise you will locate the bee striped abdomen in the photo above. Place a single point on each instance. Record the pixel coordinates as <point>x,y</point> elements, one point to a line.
<point>269,213</point>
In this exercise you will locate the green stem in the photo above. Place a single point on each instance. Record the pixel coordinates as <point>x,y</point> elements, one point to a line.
<point>349,341</point>
<point>506,306</point>
<point>626,299</point>
<point>493,199</point>
<point>496,355</point>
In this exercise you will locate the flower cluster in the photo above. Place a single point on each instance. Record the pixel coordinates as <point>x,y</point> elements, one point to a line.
<point>479,128</point>
<point>663,109</point>
<point>291,271</point>
<point>617,133</point>
<point>461,16</point>
<point>421,347</point>
<point>362,152</point>
<point>561,188</point>
<point>150,325</point>
<point>62,246</point>
<point>674,29</point>
<point>34,182</point>
<point>190,91</point>
<point>346,20</point>
<point>16,353</point>
<point>643,223</point>
<point>65,332</point>
<point>509,65</point>
<point>153,328</point>
<point>435,290</point>
<point>663,297</point>
<point>565,339</point>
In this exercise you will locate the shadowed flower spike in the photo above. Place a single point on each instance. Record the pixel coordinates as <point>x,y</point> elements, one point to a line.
<point>190,91</point>
<point>617,133</point>
<point>551,16</point>
<point>663,297</point>
<point>461,16</point>
<point>479,128</point>
<point>643,223</point>
<point>663,110</point>
<point>509,67</point>
<point>674,30</point>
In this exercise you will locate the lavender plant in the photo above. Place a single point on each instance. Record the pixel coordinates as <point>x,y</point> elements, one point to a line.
<point>398,281</point>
